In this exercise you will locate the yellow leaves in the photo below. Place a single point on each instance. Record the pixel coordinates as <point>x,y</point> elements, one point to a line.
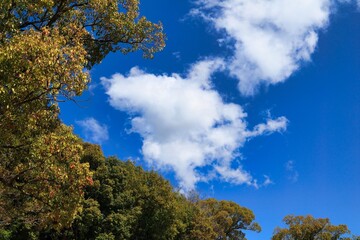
<point>61,165</point>
<point>308,227</point>
<point>48,169</point>
<point>114,24</point>
<point>45,48</point>
<point>227,219</point>
<point>45,62</point>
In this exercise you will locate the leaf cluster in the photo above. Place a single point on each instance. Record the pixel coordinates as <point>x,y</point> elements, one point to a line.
<point>109,25</point>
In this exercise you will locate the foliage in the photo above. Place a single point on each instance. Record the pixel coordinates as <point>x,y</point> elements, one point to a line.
<point>310,228</point>
<point>104,25</point>
<point>41,182</point>
<point>134,204</point>
<point>228,219</point>
<point>36,150</point>
<point>45,48</point>
<point>126,202</point>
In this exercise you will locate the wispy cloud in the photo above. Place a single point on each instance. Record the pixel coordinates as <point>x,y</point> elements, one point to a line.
<point>184,123</point>
<point>270,38</point>
<point>177,55</point>
<point>267,181</point>
<point>93,131</point>
<point>292,173</point>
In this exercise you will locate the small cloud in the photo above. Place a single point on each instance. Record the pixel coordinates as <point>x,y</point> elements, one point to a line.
<point>267,181</point>
<point>92,88</point>
<point>177,55</point>
<point>293,174</point>
<point>279,125</point>
<point>93,131</point>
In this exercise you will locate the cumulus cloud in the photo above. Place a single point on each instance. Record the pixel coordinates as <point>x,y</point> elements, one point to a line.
<point>270,38</point>
<point>93,131</point>
<point>185,124</point>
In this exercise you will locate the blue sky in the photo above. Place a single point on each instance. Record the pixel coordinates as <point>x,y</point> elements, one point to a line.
<point>251,101</point>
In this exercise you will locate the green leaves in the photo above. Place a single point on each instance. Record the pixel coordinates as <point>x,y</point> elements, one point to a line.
<point>135,203</point>
<point>126,202</point>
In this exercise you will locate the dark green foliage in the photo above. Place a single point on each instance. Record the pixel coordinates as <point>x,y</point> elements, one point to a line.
<point>134,204</point>
<point>127,202</point>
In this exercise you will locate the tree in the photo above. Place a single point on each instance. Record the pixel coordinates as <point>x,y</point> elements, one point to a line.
<point>101,26</point>
<point>144,206</point>
<point>135,204</point>
<point>124,202</point>
<point>41,183</point>
<point>222,220</point>
<point>46,47</point>
<point>310,228</point>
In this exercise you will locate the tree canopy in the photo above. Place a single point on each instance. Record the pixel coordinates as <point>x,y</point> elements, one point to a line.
<point>101,26</point>
<point>228,219</point>
<point>126,202</point>
<point>123,201</point>
<point>46,47</point>
<point>310,228</point>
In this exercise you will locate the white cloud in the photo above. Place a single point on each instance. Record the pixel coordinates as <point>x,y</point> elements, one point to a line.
<point>236,176</point>
<point>270,126</point>
<point>270,38</point>
<point>184,123</point>
<point>293,174</point>
<point>93,131</point>
<point>267,181</point>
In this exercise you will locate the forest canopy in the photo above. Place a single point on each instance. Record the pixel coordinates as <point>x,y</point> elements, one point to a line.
<point>126,202</point>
